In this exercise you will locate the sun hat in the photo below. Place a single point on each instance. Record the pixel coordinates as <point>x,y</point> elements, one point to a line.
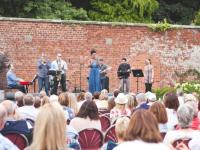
<point>121,99</point>
<point>150,96</point>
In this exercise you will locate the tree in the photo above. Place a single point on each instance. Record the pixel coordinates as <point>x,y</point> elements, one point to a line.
<point>45,9</point>
<point>197,18</point>
<point>123,10</point>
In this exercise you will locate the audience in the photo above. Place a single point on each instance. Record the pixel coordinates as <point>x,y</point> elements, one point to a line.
<point>150,98</point>
<point>102,103</point>
<point>132,103</point>
<point>81,97</point>
<point>142,133</point>
<point>87,117</point>
<point>142,102</point>
<point>5,144</point>
<point>111,104</point>
<point>73,102</point>
<point>45,100</point>
<point>19,96</point>
<point>49,129</point>
<point>37,102</point>
<point>171,103</point>
<point>158,109</point>
<point>28,110</point>
<point>120,107</point>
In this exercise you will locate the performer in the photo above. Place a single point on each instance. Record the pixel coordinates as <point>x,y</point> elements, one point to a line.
<point>60,66</point>
<point>148,75</point>
<point>13,80</point>
<point>43,66</point>
<point>94,76</point>
<point>123,73</point>
<point>104,79</point>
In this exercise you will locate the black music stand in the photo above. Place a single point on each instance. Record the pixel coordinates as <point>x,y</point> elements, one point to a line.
<point>137,73</point>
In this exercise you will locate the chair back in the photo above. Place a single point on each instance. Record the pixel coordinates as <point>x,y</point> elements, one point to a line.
<point>110,135</point>
<point>19,140</point>
<point>90,139</point>
<point>105,122</point>
<point>183,140</point>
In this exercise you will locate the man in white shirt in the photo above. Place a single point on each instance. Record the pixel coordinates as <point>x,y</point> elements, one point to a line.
<point>60,66</point>
<point>28,110</point>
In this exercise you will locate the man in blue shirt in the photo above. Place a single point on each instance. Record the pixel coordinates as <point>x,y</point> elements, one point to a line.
<point>13,80</point>
<point>43,66</point>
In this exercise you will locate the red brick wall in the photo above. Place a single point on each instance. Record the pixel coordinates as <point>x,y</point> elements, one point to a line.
<point>24,40</point>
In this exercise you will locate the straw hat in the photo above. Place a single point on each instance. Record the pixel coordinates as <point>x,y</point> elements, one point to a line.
<point>121,99</point>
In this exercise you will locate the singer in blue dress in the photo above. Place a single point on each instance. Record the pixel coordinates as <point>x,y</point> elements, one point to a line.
<point>94,76</point>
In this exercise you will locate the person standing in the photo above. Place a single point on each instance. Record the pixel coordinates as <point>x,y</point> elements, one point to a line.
<point>148,75</point>
<point>60,66</point>
<point>13,80</point>
<point>123,73</point>
<point>43,66</point>
<point>94,76</point>
<point>104,80</point>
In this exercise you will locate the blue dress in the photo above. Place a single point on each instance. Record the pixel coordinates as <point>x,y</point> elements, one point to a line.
<point>94,78</point>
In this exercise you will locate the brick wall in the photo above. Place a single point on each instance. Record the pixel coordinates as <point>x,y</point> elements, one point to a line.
<point>25,39</point>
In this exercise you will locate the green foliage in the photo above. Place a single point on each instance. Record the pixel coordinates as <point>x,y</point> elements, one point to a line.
<point>189,87</point>
<point>197,19</point>
<point>160,92</point>
<point>160,26</point>
<point>123,10</point>
<point>42,9</point>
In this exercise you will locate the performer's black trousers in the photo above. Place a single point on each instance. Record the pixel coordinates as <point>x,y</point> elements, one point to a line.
<point>105,83</point>
<point>148,87</point>
<point>62,83</point>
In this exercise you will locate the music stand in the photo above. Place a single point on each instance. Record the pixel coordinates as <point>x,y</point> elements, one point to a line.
<point>137,73</point>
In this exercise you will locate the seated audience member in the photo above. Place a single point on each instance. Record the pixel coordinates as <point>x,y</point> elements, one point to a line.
<point>87,117</point>
<point>13,80</point>
<point>5,144</point>
<point>37,102</point>
<point>116,92</point>
<point>49,129</point>
<point>180,96</point>
<point>150,98</point>
<point>185,115</point>
<point>142,102</point>
<point>53,98</point>
<point>72,138</point>
<point>81,97</point>
<point>45,100</point>
<point>158,109</point>
<point>102,103</point>
<point>142,133</point>
<point>171,104</point>
<point>111,104</point>
<point>120,107</point>
<point>42,94</point>
<point>96,96</point>
<point>73,102</point>
<point>28,110</point>
<point>63,99</point>
<point>13,124</point>
<point>132,103</point>
<point>120,130</point>
<point>87,96</point>
<point>19,96</point>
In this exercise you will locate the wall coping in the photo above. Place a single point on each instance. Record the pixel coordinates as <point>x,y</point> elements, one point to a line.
<point>90,22</point>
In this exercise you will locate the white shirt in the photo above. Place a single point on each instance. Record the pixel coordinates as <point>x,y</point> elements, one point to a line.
<point>140,145</point>
<point>63,66</point>
<point>28,112</point>
<point>172,119</point>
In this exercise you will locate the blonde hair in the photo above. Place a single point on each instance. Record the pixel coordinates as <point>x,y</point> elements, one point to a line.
<point>121,126</point>
<point>73,102</point>
<point>49,129</point>
<point>103,95</point>
<point>45,100</point>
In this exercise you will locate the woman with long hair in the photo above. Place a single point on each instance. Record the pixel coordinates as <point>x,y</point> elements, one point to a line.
<point>49,129</point>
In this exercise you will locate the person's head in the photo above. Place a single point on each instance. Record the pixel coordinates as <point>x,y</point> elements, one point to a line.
<point>96,95</point>
<point>88,109</point>
<point>185,115</point>
<point>11,67</point>
<point>158,109</point>
<point>121,126</point>
<point>81,97</point>
<point>28,100</point>
<point>143,126</point>
<point>150,97</point>
<point>37,102</point>
<point>147,62</point>
<point>63,99</point>
<point>141,98</point>
<point>10,108</point>
<point>73,102</point>
<point>111,103</point>
<point>104,95</point>
<point>194,106</point>
<point>2,116</point>
<point>59,56</point>
<point>171,101</point>
<point>116,92</point>
<point>121,101</point>
<point>93,53</point>
<point>124,60</point>
<point>42,94</point>
<point>49,130</point>
<point>101,61</point>
<point>88,96</point>
<point>53,98</point>
<point>19,96</point>
<point>132,103</point>
<point>45,100</point>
